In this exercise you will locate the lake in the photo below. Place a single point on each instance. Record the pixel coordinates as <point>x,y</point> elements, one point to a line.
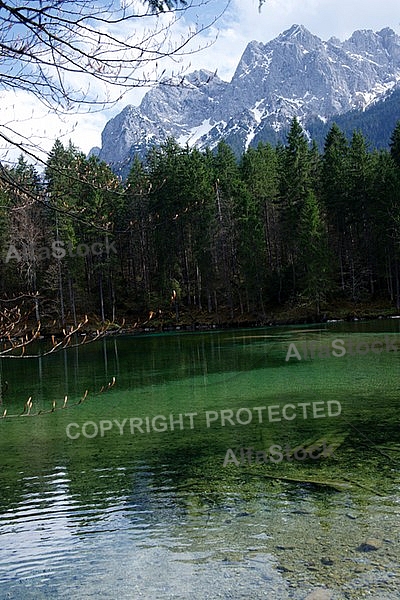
<point>253,463</point>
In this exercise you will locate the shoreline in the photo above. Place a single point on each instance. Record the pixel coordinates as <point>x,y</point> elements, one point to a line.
<point>203,321</point>
<point>166,321</point>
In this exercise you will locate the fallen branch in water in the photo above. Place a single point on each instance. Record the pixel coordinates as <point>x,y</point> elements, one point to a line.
<point>337,485</point>
<point>364,487</point>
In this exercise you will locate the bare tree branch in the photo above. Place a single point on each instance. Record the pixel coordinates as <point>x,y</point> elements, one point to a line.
<point>42,46</point>
<point>26,411</point>
<point>16,332</point>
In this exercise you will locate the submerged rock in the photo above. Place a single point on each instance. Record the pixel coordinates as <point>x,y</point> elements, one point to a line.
<point>370,544</point>
<point>319,594</point>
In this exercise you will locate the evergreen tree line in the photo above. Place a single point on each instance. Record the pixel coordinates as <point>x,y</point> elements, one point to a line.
<point>200,231</point>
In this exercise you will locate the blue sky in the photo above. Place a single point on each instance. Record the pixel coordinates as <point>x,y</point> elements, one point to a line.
<point>226,40</point>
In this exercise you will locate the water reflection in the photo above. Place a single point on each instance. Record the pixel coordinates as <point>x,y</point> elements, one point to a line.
<point>141,516</point>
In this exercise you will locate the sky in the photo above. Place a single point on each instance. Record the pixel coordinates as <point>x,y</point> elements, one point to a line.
<point>222,46</point>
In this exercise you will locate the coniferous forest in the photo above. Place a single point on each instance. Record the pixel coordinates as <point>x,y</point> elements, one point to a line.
<point>198,235</point>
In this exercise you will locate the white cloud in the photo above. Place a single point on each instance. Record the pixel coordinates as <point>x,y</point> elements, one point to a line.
<point>33,128</point>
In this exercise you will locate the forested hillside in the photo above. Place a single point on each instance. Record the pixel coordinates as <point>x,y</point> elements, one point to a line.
<point>197,233</point>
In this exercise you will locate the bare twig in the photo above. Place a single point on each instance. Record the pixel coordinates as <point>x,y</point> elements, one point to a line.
<point>28,404</point>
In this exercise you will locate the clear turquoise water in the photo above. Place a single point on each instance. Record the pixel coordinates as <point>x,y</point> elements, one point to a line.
<point>156,514</point>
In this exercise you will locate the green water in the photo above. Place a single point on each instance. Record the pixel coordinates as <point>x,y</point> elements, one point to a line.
<point>130,505</point>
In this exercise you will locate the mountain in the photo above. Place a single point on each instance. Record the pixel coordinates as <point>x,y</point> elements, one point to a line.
<point>295,74</point>
<point>377,122</point>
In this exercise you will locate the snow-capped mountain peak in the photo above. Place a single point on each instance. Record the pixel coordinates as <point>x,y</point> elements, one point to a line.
<point>295,74</point>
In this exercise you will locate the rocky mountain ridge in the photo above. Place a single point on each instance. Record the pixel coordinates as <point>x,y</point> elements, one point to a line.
<point>295,74</point>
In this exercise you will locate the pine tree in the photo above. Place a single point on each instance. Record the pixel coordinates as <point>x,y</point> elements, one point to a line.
<point>134,224</point>
<point>335,199</point>
<point>260,175</point>
<point>395,144</point>
<point>228,193</point>
<point>386,225</point>
<point>314,260</point>
<point>359,223</point>
<point>295,185</point>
